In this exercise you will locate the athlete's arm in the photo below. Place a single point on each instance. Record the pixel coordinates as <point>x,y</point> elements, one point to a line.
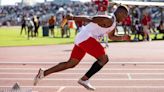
<point>114,37</point>
<point>101,21</point>
<point>79,18</point>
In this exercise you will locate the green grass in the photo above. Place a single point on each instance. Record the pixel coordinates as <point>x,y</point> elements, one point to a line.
<point>10,36</point>
<point>159,36</point>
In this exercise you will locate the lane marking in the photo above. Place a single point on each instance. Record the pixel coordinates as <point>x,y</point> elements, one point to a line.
<point>4,73</point>
<point>60,89</point>
<point>71,79</point>
<point>80,69</point>
<point>149,87</point>
<point>129,76</point>
<point>47,63</point>
<point>59,79</point>
<point>34,73</point>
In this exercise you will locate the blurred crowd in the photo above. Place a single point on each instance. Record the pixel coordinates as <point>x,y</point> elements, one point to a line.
<point>14,14</point>
<point>142,20</point>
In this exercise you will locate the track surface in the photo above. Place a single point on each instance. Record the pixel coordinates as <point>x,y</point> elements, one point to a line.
<point>133,67</point>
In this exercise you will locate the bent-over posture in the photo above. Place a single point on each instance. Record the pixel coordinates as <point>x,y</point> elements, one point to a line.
<point>86,42</point>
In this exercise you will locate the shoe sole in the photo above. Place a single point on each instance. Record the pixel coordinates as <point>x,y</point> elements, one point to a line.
<point>86,86</point>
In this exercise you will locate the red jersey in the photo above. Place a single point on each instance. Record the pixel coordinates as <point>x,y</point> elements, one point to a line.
<point>102,5</point>
<point>146,20</point>
<point>127,21</point>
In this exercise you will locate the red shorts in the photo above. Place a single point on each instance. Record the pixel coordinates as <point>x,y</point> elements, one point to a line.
<point>90,46</point>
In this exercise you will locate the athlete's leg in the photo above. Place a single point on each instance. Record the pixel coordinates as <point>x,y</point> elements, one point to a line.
<point>101,61</point>
<point>95,49</point>
<point>94,69</point>
<point>76,56</point>
<point>59,67</point>
<point>62,66</point>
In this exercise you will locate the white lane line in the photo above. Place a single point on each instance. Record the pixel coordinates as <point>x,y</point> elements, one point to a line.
<point>81,69</point>
<point>47,63</point>
<point>71,79</point>
<point>129,76</point>
<point>39,63</point>
<point>60,89</point>
<point>151,87</point>
<point>4,73</point>
<point>58,79</point>
<point>11,73</point>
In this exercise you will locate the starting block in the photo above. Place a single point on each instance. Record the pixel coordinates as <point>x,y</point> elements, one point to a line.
<point>16,88</point>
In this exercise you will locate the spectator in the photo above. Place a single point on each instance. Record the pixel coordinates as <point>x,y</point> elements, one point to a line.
<point>127,25</point>
<point>138,31</point>
<point>65,30</point>
<point>51,22</point>
<point>72,25</point>
<point>102,6</point>
<point>161,28</point>
<point>36,25</point>
<point>145,22</point>
<point>30,27</point>
<point>23,27</point>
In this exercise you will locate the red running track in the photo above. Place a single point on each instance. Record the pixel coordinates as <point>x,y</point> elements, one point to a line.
<point>133,67</point>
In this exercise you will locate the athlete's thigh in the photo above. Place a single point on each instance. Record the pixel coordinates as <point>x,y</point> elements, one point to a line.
<point>93,47</point>
<point>77,54</point>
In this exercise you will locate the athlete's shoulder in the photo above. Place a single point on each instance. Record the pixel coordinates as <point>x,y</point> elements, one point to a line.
<point>105,21</point>
<point>101,16</point>
<point>110,17</point>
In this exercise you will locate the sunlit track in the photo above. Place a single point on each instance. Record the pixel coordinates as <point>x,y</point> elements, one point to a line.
<point>75,69</point>
<point>82,73</point>
<point>127,74</point>
<point>69,79</point>
<point>82,87</point>
<point>53,63</point>
<point>56,88</point>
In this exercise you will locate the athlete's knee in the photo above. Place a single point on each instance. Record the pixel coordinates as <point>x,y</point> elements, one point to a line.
<point>103,60</point>
<point>72,63</point>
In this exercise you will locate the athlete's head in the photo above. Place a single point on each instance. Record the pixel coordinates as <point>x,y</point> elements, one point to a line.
<point>121,13</point>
